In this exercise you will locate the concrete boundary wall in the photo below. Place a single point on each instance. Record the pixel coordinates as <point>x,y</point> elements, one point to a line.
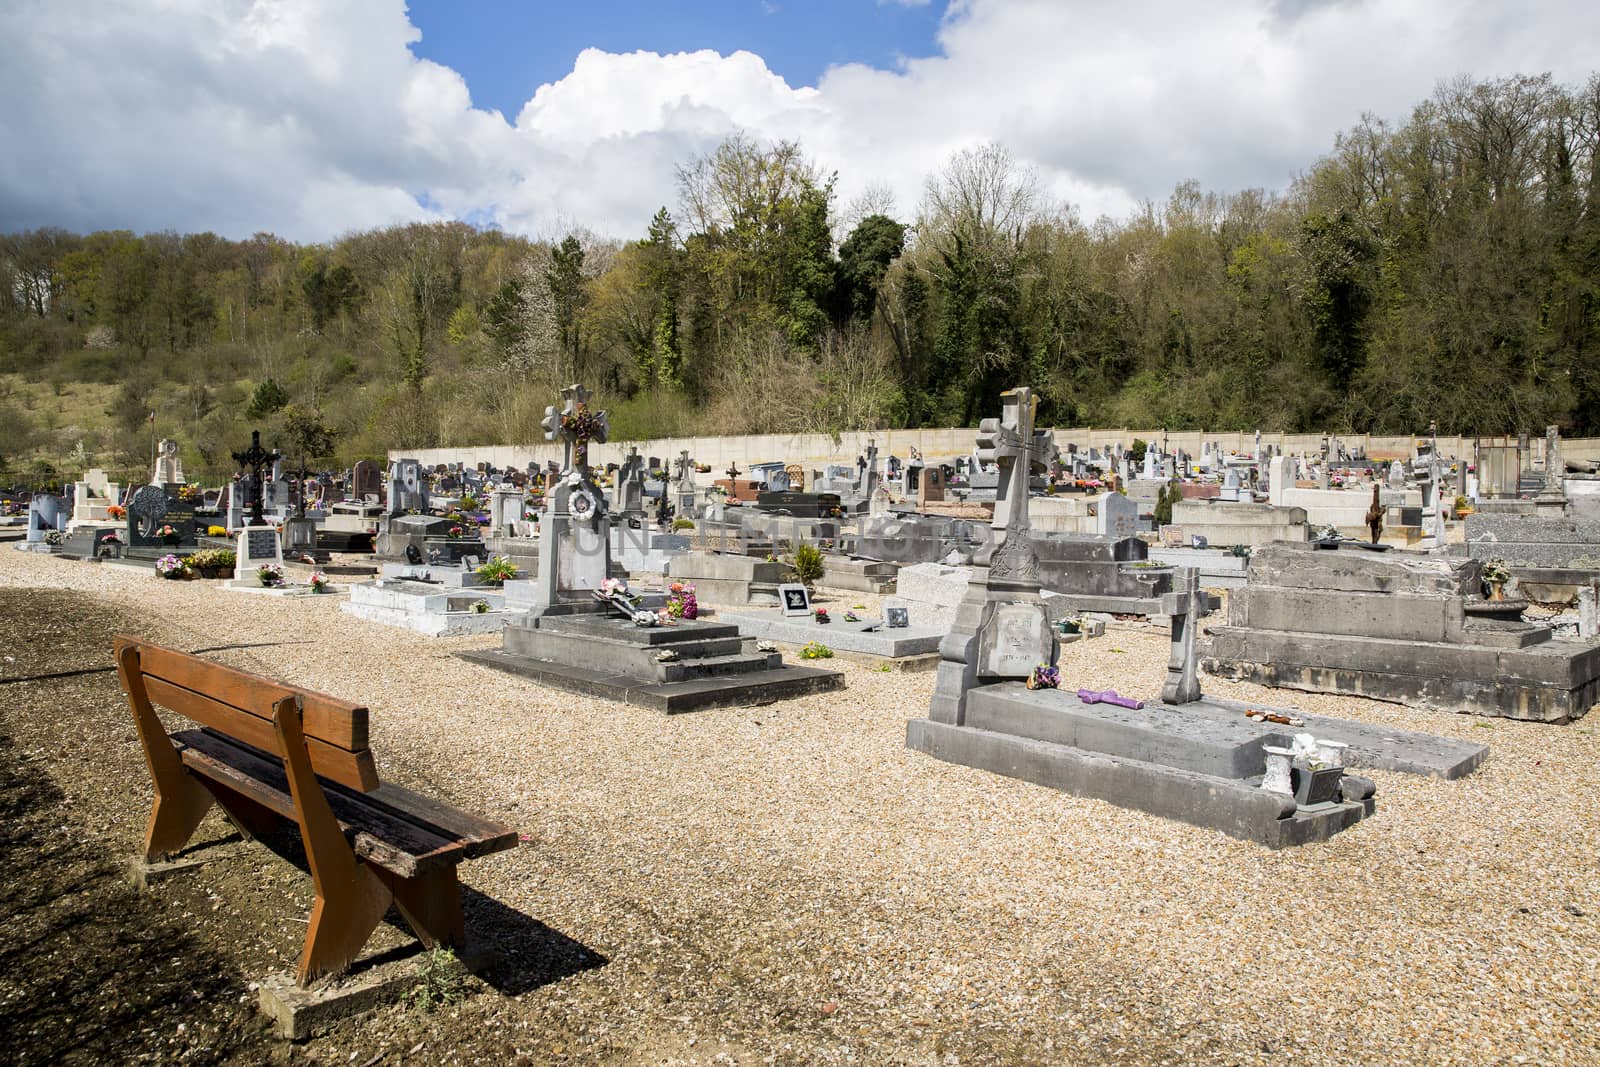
<point>815,450</point>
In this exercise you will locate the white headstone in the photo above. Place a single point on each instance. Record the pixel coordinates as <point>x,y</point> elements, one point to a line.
<point>257,545</point>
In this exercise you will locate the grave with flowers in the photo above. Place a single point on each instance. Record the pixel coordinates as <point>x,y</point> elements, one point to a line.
<point>587,631</point>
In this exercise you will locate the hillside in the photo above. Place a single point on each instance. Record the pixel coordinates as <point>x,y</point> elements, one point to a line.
<point>1444,270</point>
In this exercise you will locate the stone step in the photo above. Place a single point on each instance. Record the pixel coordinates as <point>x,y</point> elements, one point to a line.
<point>742,690</point>
<point>616,628</point>
<point>722,666</point>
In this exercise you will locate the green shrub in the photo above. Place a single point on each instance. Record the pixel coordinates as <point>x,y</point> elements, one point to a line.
<point>1164,502</point>
<point>498,569</point>
<point>807,564</point>
<point>683,524</point>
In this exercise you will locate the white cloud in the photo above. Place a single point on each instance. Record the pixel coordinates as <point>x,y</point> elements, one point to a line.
<point>312,117</point>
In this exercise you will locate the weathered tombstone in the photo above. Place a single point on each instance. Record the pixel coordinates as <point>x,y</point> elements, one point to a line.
<point>1116,516</point>
<point>1001,629</point>
<point>575,536</point>
<point>629,497</point>
<point>1589,609</point>
<point>505,511</point>
<point>683,486</point>
<point>1183,605</point>
<point>1552,499</point>
<point>169,468</point>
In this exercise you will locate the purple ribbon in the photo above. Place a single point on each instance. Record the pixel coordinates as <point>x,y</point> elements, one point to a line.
<point>1109,696</point>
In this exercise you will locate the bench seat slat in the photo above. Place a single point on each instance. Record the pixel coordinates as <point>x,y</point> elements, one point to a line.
<point>355,769</point>
<point>379,834</point>
<point>338,723</point>
<point>480,836</point>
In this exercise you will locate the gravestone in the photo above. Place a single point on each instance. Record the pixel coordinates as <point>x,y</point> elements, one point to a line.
<point>46,513</point>
<point>1552,499</point>
<point>408,487</point>
<point>169,468</point>
<point>93,497</point>
<point>1001,630</point>
<point>505,511</point>
<point>365,481</point>
<point>1183,605</point>
<point>683,486</point>
<point>300,536</point>
<point>254,460</point>
<point>574,536</point>
<point>931,488</point>
<point>256,546</point>
<point>629,496</point>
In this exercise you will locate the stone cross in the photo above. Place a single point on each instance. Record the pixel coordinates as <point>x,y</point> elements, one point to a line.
<point>685,467</point>
<point>1183,605</point>
<point>576,426</point>
<point>1019,450</point>
<point>1552,499</point>
<point>254,459</point>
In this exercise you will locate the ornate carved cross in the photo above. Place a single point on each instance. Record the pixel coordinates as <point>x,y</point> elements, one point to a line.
<point>576,426</point>
<point>254,459</point>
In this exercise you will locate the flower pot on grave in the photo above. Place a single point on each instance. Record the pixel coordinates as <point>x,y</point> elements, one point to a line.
<point>1497,590</point>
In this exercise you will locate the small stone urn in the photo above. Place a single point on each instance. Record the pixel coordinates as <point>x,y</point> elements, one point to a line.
<point>1331,753</point>
<point>1277,780</point>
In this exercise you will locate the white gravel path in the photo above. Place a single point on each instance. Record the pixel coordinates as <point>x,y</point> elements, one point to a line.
<point>876,905</point>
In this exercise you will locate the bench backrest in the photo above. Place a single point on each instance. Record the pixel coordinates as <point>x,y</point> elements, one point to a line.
<point>240,705</point>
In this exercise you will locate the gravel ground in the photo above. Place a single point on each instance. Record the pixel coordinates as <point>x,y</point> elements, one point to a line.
<point>790,884</point>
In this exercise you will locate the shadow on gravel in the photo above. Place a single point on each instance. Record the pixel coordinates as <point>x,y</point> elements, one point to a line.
<point>526,954</point>
<point>89,972</point>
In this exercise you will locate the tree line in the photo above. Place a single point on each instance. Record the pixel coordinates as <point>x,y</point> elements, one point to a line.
<point>1441,269</point>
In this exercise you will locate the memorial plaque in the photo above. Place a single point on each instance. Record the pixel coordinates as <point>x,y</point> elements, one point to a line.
<point>261,544</point>
<point>1016,642</point>
<point>796,599</point>
<point>897,618</point>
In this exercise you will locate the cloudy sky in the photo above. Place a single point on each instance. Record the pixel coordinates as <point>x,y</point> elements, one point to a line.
<point>310,118</point>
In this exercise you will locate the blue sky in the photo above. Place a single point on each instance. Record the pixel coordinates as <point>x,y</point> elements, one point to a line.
<point>505,49</point>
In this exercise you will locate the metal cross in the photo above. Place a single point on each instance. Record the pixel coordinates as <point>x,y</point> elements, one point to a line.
<point>254,459</point>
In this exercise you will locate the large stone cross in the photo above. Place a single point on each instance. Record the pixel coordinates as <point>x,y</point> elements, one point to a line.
<point>1020,451</point>
<point>575,425</point>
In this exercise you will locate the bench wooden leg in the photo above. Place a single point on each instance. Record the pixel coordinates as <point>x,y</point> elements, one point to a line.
<point>351,899</point>
<point>431,904</point>
<point>343,917</point>
<point>181,802</point>
<point>180,805</point>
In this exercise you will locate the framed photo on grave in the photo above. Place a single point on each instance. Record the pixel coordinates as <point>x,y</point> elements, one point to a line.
<point>897,618</point>
<point>795,599</point>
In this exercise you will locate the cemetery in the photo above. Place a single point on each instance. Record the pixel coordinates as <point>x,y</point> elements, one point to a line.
<point>1234,655</point>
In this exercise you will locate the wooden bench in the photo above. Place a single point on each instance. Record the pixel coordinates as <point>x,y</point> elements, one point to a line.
<point>267,751</point>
